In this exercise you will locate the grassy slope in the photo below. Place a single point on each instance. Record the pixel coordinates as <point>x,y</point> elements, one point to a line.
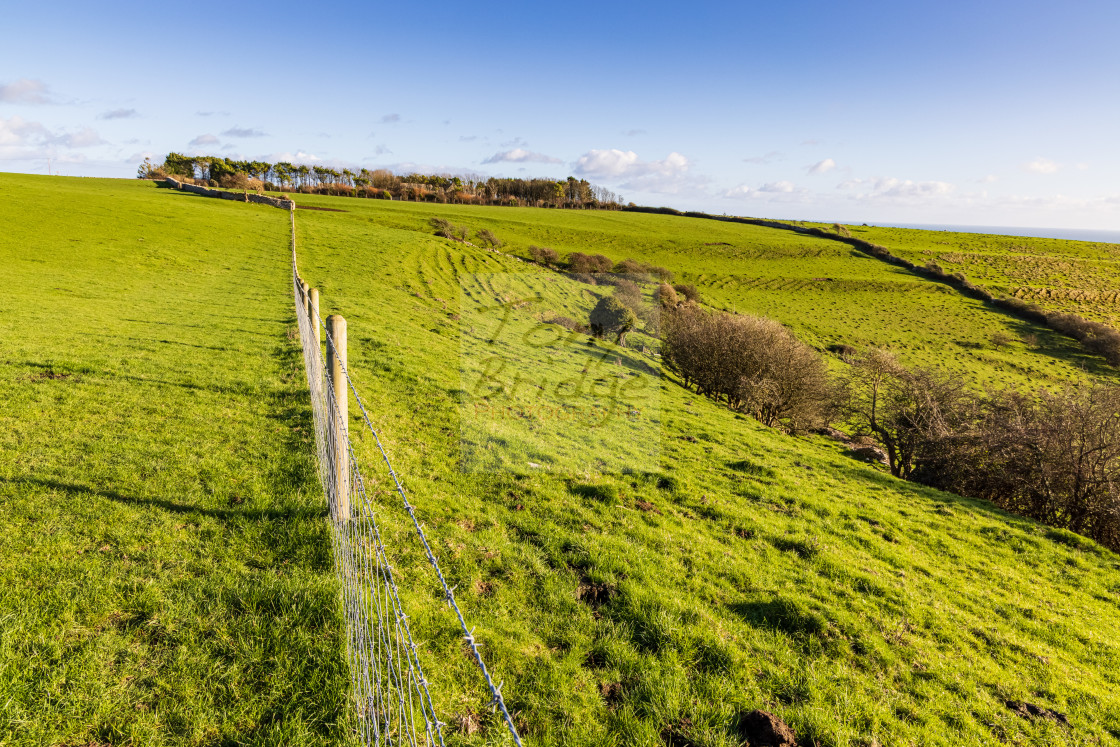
<point>771,573</point>
<point>1078,276</point>
<point>827,292</point>
<point>165,572</point>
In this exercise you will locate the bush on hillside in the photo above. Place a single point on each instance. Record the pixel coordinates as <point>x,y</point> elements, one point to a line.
<point>902,409</point>
<point>1053,457</point>
<point>611,317</point>
<point>486,237</point>
<point>585,264</point>
<point>753,364</point>
<point>689,292</point>
<point>666,296</point>
<point>544,254</point>
<point>448,230</point>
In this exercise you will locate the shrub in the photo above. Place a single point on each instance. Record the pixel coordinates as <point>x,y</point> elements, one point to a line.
<point>568,323</point>
<point>544,254</point>
<point>843,352</point>
<point>611,317</point>
<point>448,230</point>
<point>235,180</point>
<point>1054,457</point>
<point>752,364</point>
<point>579,263</point>
<point>689,292</point>
<point>904,410</point>
<point>632,269</point>
<point>486,237</point>
<point>666,296</point>
<point>600,263</point>
<point>1001,339</point>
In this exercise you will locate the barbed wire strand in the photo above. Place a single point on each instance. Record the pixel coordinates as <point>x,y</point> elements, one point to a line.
<point>390,689</point>
<point>394,658</point>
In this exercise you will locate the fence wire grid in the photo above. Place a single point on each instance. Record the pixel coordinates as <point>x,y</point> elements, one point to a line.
<point>391,693</point>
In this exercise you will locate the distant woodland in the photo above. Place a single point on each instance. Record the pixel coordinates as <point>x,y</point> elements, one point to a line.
<point>381,184</point>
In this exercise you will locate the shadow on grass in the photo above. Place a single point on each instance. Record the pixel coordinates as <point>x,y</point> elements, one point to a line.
<point>168,505</point>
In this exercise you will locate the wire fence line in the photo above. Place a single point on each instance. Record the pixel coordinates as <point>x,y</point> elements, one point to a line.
<point>392,695</point>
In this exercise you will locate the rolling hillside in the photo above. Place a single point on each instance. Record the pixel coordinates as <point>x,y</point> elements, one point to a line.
<point>736,568</point>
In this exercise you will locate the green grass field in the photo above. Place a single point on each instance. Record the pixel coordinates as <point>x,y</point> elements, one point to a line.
<point>1075,276</point>
<point>746,569</point>
<point>827,292</point>
<point>165,569</point>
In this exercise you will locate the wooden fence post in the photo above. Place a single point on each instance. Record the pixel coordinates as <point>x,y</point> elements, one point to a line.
<point>336,362</point>
<point>313,316</point>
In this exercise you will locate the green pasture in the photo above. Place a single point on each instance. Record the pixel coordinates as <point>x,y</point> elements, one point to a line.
<point>166,574</point>
<point>1082,277</point>
<point>751,570</point>
<point>827,292</point>
<point>165,569</point>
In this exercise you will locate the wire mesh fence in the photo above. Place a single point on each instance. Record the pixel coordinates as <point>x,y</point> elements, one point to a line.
<point>392,696</point>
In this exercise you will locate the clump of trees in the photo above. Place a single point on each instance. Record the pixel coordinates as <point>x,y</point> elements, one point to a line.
<point>285,176</point>
<point>1050,456</point>
<point>752,364</point>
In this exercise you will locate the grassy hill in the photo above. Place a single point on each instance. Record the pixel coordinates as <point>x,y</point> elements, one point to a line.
<point>165,571</point>
<point>741,569</point>
<point>1082,277</point>
<point>827,292</point>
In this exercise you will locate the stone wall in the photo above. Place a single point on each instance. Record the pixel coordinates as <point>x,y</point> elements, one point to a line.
<point>224,195</point>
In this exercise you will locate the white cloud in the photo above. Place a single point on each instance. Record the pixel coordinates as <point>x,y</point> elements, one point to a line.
<point>25,91</point>
<point>18,131</point>
<point>634,133</point>
<point>390,119</point>
<point>1042,165</point>
<point>822,167</point>
<point>670,175</point>
<point>120,114</point>
<point>764,159</point>
<point>782,186</point>
<point>243,132</point>
<point>83,138</point>
<point>890,187</point>
<point>989,179</point>
<point>23,140</point>
<point>298,157</point>
<point>520,155</point>
<point>741,191</point>
<point>204,140</point>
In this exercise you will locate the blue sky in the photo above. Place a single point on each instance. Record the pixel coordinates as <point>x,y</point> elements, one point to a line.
<point>976,113</point>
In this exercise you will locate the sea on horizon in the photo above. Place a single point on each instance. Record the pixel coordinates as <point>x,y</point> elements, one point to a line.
<point>1072,234</point>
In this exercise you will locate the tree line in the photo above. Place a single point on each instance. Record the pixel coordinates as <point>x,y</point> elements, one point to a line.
<point>285,176</point>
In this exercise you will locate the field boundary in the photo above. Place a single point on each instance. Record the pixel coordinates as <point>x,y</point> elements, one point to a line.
<point>1096,338</point>
<point>225,195</point>
<point>385,667</point>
